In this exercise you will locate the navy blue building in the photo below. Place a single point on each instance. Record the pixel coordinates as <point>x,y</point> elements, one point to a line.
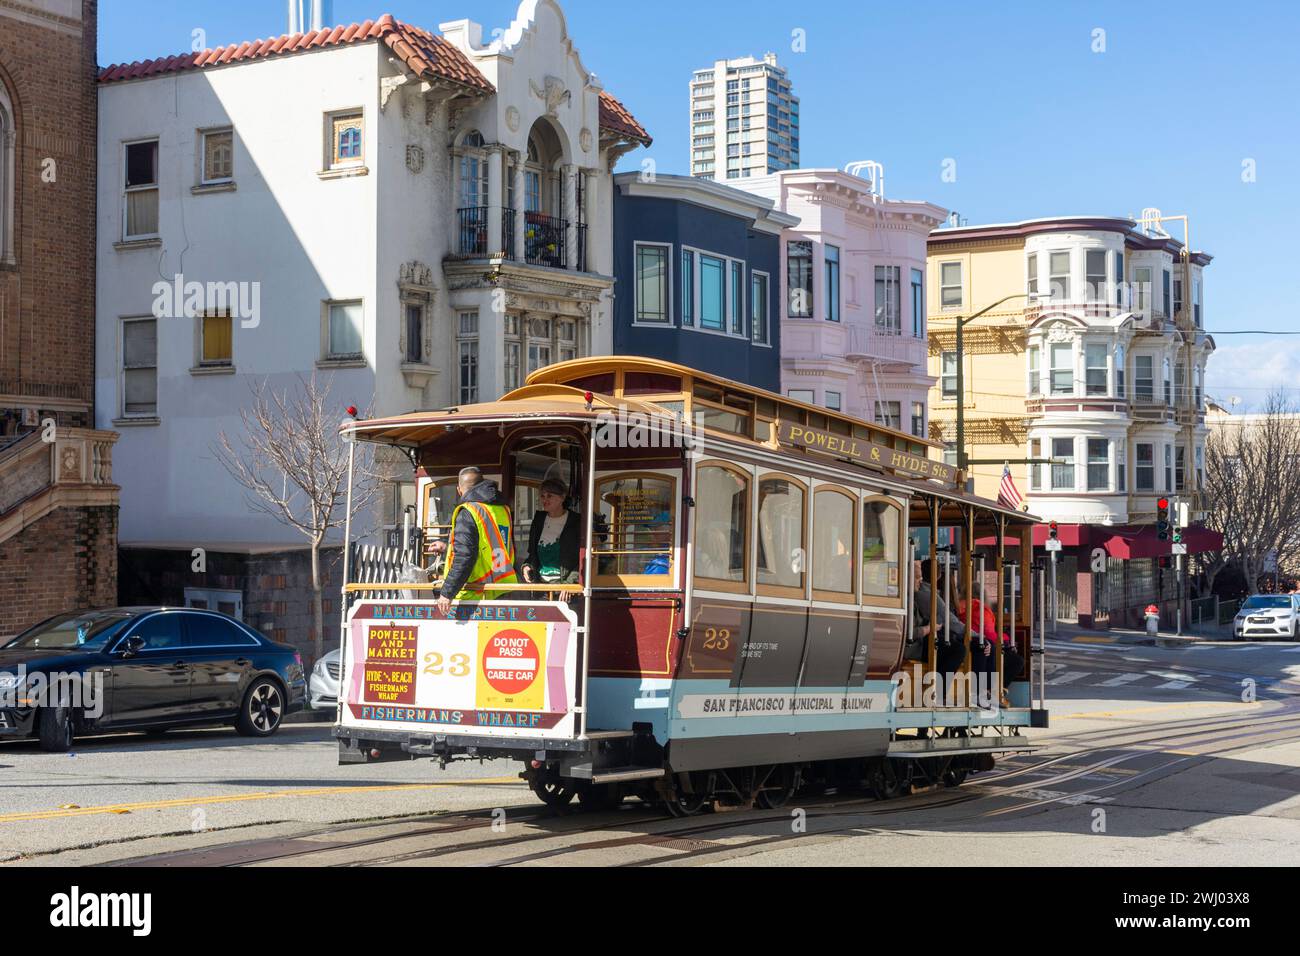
<point>697,266</point>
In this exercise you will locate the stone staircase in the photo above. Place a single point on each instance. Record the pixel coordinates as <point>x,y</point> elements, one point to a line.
<point>38,477</point>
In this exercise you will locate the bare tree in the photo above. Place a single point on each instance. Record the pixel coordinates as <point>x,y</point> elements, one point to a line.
<point>1252,486</point>
<point>294,467</point>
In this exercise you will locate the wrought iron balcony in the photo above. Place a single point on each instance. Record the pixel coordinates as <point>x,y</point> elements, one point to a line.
<point>544,240</point>
<point>472,222</point>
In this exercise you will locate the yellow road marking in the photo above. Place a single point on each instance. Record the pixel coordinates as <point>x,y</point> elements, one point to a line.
<point>243,798</point>
<point>1140,710</point>
<point>1094,640</point>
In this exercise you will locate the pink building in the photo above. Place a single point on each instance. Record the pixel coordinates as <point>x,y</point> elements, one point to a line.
<point>853,334</point>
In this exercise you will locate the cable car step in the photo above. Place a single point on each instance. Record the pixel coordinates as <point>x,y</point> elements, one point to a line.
<point>911,749</point>
<point>609,734</point>
<point>627,774</point>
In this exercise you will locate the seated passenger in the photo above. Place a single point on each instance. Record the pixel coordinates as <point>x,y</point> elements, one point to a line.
<point>554,541</point>
<point>986,625</point>
<point>953,651</point>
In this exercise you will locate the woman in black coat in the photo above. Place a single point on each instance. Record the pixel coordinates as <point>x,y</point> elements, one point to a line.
<point>554,540</point>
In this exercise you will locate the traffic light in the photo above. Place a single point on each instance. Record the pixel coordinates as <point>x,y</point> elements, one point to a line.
<point>1162,519</point>
<point>1177,521</point>
<point>1053,531</point>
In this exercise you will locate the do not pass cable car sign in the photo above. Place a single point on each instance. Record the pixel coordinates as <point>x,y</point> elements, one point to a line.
<point>489,669</point>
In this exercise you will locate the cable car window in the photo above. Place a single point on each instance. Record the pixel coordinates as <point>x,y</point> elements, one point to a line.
<point>722,521</point>
<point>781,550</point>
<point>639,511</point>
<point>650,383</point>
<point>599,384</point>
<point>832,550</point>
<point>439,502</point>
<point>723,421</point>
<point>880,539</point>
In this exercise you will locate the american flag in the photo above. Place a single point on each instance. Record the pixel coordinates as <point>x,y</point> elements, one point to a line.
<point>1007,493</point>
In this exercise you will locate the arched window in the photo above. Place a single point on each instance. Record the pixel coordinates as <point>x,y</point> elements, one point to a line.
<point>782,544</point>
<point>722,527</point>
<point>832,544</point>
<point>881,537</point>
<point>473,172</point>
<point>8,190</point>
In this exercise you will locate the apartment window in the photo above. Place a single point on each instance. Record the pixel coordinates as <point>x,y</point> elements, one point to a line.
<point>918,419</point>
<point>474,178</point>
<point>1032,276</point>
<point>688,288</point>
<point>889,317</point>
<point>890,415</point>
<point>1169,468</point>
<point>1196,301</point>
<point>216,345</point>
<point>1121,467</point>
<point>218,157</point>
<point>1063,464</point>
<point>8,192</point>
<point>1141,288</point>
<point>1058,264</point>
<point>1120,359</point>
<point>1035,370</point>
<point>467,356</point>
<point>1119,279</point>
<point>1062,355</point>
<point>805,395</point>
<point>510,363</point>
<point>1169,394</point>
<point>653,288</point>
<point>1098,464</point>
<point>141,190</point>
<point>1200,467</point>
<point>414,353</point>
<point>1180,383</point>
<point>712,292</point>
<point>736,297</point>
<point>140,368</point>
<point>799,278</point>
<point>1196,395</point>
<point>1178,297</point>
<point>918,303</point>
<point>1095,369</point>
<point>950,453</point>
<point>1144,467</point>
<point>346,143</point>
<point>759,284</point>
<point>1180,468</point>
<point>344,333</point>
<point>834,401</point>
<point>832,266</point>
<point>1035,467</point>
<point>948,374</point>
<point>950,291</point>
<point>1167,300</point>
<point>1144,386</point>
<point>1094,264</point>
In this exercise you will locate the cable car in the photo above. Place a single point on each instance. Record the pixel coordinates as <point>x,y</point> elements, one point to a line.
<point>742,617</point>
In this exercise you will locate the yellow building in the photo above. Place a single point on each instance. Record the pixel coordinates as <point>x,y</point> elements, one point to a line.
<point>1095,361</point>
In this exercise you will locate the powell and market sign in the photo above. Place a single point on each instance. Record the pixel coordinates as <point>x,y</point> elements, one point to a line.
<point>862,452</point>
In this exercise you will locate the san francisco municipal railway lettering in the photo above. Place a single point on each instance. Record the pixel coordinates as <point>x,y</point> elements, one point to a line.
<point>704,705</point>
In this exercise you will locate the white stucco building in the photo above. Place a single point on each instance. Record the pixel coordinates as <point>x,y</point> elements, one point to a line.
<point>417,218</point>
<point>853,332</point>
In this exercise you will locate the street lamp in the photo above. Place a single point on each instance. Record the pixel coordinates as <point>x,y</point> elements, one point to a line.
<point>962,460</point>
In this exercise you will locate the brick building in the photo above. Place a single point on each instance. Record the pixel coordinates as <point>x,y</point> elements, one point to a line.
<point>58,505</point>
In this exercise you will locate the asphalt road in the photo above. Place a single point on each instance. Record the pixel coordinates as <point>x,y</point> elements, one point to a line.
<point>1155,756</point>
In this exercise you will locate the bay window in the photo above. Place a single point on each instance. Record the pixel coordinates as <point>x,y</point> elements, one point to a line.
<point>1098,464</point>
<point>1094,263</point>
<point>1062,356</point>
<point>653,289</point>
<point>1063,464</point>
<point>1059,274</point>
<point>832,267</point>
<point>1035,370</point>
<point>1095,369</point>
<point>888,307</point>
<point>1144,471</point>
<point>799,278</point>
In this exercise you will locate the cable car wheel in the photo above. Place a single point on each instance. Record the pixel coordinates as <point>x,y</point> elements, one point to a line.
<point>954,772</point>
<point>890,779</point>
<point>556,794</point>
<point>775,789</point>
<point>683,804</point>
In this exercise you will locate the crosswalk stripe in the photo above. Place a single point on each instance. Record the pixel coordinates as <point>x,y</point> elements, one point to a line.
<point>1121,679</point>
<point>1174,685</point>
<point>1069,677</point>
<point>1246,647</point>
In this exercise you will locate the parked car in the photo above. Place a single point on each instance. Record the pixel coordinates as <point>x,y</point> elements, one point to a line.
<point>144,668</point>
<point>323,688</point>
<point>1268,615</point>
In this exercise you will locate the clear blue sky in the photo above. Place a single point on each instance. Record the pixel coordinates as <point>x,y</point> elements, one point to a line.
<point>1038,123</point>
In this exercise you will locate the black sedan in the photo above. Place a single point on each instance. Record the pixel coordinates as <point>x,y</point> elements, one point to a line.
<point>147,669</point>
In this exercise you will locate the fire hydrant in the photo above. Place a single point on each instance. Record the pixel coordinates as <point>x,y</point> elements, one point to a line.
<point>1153,620</point>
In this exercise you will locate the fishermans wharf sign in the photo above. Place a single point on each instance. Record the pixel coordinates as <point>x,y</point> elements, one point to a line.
<point>863,452</point>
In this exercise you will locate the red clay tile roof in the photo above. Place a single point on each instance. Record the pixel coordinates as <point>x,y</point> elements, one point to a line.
<point>425,54</point>
<point>615,118</point>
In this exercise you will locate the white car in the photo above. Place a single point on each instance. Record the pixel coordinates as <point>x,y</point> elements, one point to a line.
<point>1268,615</point>
<point>323,687</point>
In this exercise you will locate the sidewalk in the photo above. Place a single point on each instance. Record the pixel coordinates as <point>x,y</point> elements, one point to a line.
<point>1117,635</point>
